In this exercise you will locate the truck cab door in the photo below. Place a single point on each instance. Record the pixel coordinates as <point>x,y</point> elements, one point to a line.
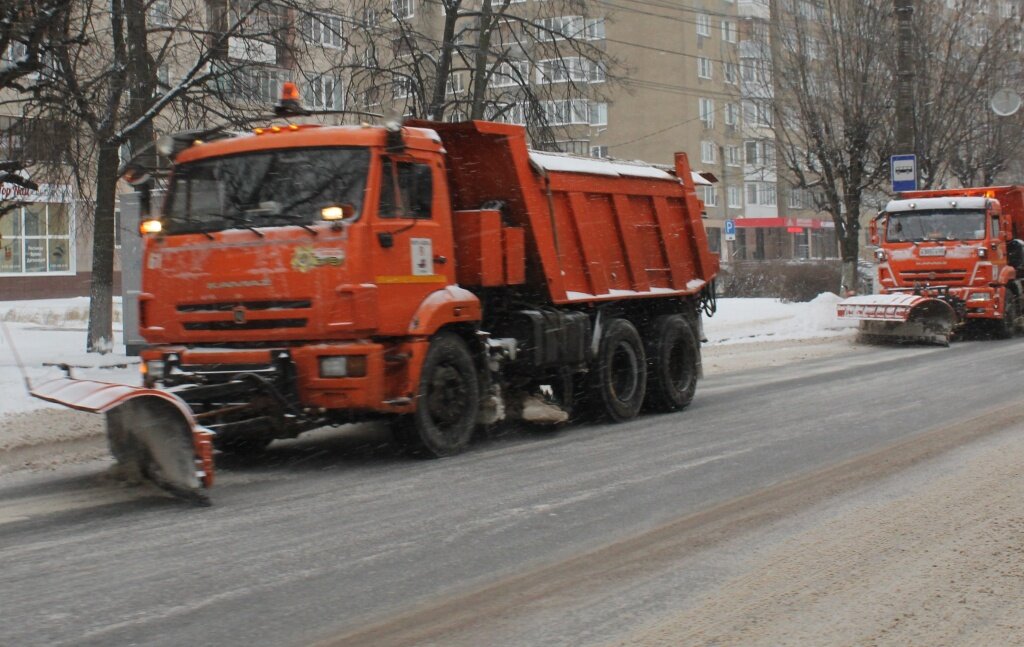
<point>412,238</point>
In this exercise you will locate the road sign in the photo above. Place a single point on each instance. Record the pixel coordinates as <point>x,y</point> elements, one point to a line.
<point>903,171</point>
<point>730,230</point>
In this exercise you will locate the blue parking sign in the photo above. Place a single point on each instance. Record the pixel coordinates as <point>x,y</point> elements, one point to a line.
<point>730,230</point>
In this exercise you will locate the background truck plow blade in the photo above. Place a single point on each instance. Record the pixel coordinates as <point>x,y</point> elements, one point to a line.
<point>152,433</point>
<point>900,317</point>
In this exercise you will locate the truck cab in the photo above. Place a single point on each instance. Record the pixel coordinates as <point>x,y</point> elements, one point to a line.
<point>957,245</point>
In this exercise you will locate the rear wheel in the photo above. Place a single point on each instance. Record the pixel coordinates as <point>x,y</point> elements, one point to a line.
<point>447,401</point>
<point>621,371</point>
<point>672,364</point>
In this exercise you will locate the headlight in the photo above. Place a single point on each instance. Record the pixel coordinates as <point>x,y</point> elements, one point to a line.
<point>880,255</point>
<point>982,252</point>
<point>154,368</point>
<point>343,366</point>
<point>979,296</point>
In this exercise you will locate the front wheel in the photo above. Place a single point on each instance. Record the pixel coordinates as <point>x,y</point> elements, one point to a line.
<point>448,400</point>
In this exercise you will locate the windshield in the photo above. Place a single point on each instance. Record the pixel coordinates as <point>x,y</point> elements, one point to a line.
<point>941,224</point>
<point>286,186</point>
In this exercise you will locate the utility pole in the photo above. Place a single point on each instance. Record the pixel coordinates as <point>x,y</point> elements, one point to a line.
<point>905,136</point>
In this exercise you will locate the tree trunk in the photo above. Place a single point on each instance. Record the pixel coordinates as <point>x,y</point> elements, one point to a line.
<point>483,53</point>
<point>444,64</point>
<point>101,293</point>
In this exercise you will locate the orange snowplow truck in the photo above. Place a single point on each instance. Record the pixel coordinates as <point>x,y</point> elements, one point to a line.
<point>440,275</point>
<point>946,259</point>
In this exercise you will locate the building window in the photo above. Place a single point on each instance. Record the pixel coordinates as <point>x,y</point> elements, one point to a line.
<point>325,93</point>
<point>707,152</point>
<point>254,83</point>
<point>731,72</point>
<point>709,194</point>
<point>732,155</point>
<point>322,29</point>
<point>578,70</point>
<point>560,27</point>
<point>566,112</point>
<point>728,31</point>
<point>594,29</point>
<point>36,239</point>
<point>760,152</point>
<point>706,110</point>
<point>703,67</point>
<point>598,114</point>
<point>402,88</point>
<point>573,147</point>
<point>403,9</point>
<point>599,151</point>
<point>507,113</point>
<point>757,113</point>
<point>703,24</point>
<point>735,197</point>
<point>510,74</point>
<point>160,13</point>
<point>732,114</point>
<point>454,85</point>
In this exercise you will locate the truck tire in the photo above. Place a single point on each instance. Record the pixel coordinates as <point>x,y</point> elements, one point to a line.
<point>620,378</point>
<point>448,400</point>
<point>1006,327</point>
<point>671,364</point>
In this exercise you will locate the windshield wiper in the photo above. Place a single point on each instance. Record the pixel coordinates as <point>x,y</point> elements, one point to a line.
<point>244,222</point>
<point>291,216</point>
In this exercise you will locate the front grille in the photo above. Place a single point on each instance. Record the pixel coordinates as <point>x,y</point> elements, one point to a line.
<point>259,324</point>
<point>945,277</point>
<point>228,306</point>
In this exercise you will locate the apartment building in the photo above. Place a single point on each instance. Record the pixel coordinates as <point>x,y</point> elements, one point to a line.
<point>628,79</point>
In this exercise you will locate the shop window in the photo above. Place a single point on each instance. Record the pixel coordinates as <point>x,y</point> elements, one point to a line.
<point>36,239</point>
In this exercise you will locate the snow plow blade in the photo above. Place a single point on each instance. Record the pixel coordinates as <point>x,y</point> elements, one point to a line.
<point>152,433</point>
<point>900,317</point>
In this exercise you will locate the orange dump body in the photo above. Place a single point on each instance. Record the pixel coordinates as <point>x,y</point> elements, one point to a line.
<point>595,230</point>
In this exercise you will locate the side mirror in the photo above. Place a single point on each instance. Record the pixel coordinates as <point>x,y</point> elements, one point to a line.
<point>873,230</point>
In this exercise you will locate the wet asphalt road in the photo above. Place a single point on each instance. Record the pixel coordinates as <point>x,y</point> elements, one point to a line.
<point>323,536</point>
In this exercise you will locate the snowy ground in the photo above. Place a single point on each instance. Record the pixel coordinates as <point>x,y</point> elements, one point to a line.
<point>744,333</point>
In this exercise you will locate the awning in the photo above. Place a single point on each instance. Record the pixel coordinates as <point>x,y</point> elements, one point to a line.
<point>784,223</point>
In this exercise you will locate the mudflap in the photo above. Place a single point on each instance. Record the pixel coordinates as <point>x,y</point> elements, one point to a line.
<point>152,434</point>
<point>908,318</point>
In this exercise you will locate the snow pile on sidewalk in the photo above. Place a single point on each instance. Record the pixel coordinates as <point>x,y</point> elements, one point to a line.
<point>752,320</point>
<point>52,331</point>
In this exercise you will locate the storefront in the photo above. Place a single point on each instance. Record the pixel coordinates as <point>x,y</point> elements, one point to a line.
<point>784,238</point>
<point>38,243</point>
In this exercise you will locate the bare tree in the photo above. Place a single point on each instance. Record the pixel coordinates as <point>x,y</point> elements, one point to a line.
<point>963,53</point>
<point>25,43</point>
<point>487,59</point>
<point>834,106</point>
<point>120,66</point>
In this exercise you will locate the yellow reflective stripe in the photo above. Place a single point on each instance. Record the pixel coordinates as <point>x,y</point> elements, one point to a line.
<point>410,278</point>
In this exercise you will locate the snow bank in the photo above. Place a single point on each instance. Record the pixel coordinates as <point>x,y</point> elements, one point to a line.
<point>52,331</point>
<point>750,320</point>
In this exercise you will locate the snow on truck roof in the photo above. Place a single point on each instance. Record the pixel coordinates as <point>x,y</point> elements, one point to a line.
<point>611,168</point>
<point>947,202</point>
